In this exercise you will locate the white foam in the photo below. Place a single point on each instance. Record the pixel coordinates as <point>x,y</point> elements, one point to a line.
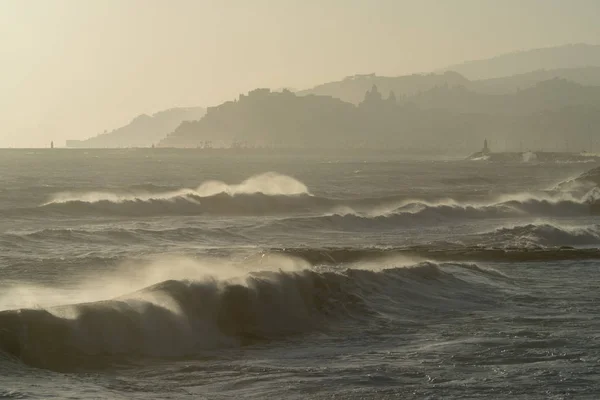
<point>269,183</point>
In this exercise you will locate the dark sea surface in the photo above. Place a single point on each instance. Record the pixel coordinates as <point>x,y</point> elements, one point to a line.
<point>167,274</point>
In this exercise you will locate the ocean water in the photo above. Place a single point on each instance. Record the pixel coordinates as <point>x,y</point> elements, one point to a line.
<point>163,274</point>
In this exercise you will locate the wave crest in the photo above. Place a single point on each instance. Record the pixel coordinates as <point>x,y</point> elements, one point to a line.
<point>275,194</point>
<point>415,213</point>
<point>179,317</point>
<point>545,234</point>
<point>269,184</point>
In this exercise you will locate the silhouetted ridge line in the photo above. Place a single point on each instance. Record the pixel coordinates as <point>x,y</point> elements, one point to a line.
<point>449,118</point>
<point>143,131</point>
<point>567,56</point>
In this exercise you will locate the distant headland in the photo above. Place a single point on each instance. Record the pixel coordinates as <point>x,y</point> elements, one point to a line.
<point>143,131</point>
<point>443,118</point>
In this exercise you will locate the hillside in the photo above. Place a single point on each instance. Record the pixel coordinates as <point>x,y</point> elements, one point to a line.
<point>552,94</point>
<point>587,76</point>
<point>353,88</point>
<point>568,56</point>
<point>264,117</point>
<point>143,131</point>
<point>552,115</point>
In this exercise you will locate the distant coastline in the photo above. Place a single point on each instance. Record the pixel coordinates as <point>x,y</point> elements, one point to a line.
<point>552,107</point>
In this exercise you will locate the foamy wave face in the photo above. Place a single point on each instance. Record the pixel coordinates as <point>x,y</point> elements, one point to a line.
<point>574,186</point>
<point>545,234</point>
<point>582,183</point>
<point>179,317</point>
<point>274,194</point>
<point>134,276</point>
<point>509,206</point>
<point>270,184</point>
<point>592,196</point>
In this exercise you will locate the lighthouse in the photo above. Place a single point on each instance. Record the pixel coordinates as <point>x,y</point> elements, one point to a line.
<point>486,149</point>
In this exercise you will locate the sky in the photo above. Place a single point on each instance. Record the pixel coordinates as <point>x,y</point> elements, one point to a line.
<point>69,69</point>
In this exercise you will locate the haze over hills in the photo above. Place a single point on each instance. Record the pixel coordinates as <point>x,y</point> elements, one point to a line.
<point>352,88</point>
<point>437,110</point>
<point>555,114</point>
<point>143,131</point>
<point>267,118</point>
<point>552,94</point>
<point>559,57</point>
<point>588,76</point>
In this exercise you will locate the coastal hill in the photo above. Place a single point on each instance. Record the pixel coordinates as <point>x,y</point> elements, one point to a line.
<point>352,89</point>
<point>553,94</point>
<point>143,131</point>
<point>552,115</point>
<point>587,76</point>
<point>264,117</point>
<point>515,94</point>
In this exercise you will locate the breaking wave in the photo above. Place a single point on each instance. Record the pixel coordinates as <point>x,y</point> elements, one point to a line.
<point>192,204</point>
<point>181,317</point>
<point>582,183</point>
<point>415,213</point>
<point>397,212</point>
<point>546,234</point>
<point>268,193</point>
<point>269,184</point>
<point>275,194</point>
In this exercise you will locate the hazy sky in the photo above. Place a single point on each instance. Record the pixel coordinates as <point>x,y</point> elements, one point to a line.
<point>72,68</point>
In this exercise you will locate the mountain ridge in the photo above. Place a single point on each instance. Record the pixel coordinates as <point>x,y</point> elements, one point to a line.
<point>520,62</point>
<point>453,118</point>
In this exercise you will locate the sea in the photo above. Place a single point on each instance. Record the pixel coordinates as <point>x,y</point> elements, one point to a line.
<point>169,274</point>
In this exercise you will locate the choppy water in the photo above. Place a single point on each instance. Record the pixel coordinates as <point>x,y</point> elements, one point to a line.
<point>169,274</point>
